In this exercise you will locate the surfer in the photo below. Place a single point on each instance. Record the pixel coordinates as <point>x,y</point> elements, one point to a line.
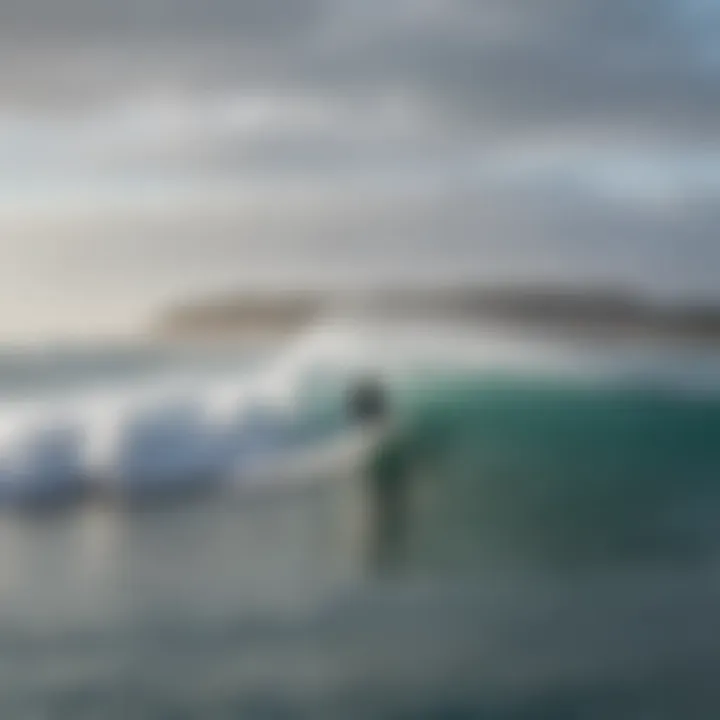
<point>367,401</point>
<point>386,476</point>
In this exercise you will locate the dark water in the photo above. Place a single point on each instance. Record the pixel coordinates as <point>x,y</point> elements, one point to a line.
<point>555,556</point>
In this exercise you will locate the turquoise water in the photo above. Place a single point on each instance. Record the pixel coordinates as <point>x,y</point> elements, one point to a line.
<point>557,557</point>
<point>572,469</point>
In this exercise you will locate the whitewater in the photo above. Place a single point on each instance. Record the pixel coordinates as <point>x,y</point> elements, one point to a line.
<point>177,430</point>
<point>559,554</point>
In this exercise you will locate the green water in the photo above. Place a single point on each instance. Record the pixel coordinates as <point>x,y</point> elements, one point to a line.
<point>553,555</point>
<point>564,470</point>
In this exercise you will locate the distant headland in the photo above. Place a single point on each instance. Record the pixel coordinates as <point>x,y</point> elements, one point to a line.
<point>578,310</point>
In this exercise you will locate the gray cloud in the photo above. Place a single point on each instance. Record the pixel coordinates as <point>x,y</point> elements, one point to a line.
<point>489,66</point>
<point>490,136</point>
<point>152,20</point>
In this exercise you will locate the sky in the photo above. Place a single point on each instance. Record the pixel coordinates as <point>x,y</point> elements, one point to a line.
<point>156,150</point>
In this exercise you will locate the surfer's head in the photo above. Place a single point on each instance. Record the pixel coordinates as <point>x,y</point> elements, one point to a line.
<point>367,400</point>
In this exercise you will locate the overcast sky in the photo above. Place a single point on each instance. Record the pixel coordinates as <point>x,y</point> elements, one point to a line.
<point>154,149</point>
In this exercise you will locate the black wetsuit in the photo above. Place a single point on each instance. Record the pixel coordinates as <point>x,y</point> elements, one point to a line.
<point>367,402</point>
<point>386,474</point>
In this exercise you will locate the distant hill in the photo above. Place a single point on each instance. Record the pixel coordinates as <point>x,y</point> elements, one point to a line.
<point>570,308</point>
<point>246,314</point>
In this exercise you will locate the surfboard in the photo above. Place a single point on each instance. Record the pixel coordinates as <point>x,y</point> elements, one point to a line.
<point>343,454</point>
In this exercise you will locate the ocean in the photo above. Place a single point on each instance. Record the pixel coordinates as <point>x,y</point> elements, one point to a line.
<point>552,552</point>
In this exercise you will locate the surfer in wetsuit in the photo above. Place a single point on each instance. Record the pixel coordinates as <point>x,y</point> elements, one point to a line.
<point>387,483</point>
<point>367,401</point>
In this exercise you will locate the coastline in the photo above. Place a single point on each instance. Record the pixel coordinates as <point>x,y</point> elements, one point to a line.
<point>599,315</point>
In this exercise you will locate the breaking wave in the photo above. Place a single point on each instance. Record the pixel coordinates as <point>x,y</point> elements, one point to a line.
<point>192,431</point>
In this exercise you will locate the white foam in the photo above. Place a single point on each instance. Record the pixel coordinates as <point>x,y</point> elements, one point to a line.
<point>179,430</point>
<point>39,451</point>
<point>155,435</point>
